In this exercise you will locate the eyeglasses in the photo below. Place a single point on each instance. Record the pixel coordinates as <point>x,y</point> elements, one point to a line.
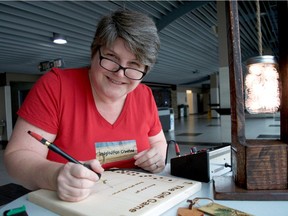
<point>113,66</point>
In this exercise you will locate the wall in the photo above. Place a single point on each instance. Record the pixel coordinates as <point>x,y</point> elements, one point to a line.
<point>2,104</point>
<point>181,97</point>
<point>191,99</point>
<point>192,102</point>
<point>2,114</point>
<point>6,98</point>
<point>214,94</point>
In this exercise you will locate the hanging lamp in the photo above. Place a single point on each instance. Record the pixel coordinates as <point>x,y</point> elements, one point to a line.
<point>262,79</point>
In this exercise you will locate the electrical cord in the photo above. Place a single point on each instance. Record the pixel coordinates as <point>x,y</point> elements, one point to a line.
<point>177,150</point>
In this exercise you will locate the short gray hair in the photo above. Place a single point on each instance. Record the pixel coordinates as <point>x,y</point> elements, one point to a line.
<point>138,31</point>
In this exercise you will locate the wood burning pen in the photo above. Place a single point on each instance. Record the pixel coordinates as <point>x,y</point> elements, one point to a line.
<point>57,150</point>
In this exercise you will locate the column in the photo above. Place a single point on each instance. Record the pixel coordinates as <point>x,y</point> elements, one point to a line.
<point>224,86</point>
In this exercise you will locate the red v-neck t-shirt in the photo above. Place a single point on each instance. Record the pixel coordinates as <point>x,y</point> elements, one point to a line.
<point>61,103</point>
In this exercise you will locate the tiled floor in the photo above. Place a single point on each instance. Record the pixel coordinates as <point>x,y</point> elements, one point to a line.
<point>201,132</point>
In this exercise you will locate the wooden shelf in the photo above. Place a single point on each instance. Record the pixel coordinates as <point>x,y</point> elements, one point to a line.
<point>225,189</point>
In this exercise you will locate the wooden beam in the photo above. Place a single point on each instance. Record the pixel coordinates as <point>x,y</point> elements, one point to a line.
<point>238,139</point>
<point>283,67</point>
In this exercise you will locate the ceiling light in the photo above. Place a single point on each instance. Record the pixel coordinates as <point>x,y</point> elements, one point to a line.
<point>59,39</point>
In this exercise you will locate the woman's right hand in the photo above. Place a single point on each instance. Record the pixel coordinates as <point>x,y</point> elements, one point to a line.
<point>75,182</point>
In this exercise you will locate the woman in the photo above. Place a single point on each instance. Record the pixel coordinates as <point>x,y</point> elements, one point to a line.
<point>100,115</point>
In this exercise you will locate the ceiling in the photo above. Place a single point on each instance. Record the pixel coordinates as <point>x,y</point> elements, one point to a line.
<point>187,29</point>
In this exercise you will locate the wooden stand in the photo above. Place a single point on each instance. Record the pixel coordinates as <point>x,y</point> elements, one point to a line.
<point>259,166</point>
<point>265,173</point>
<point>225,189</point>
<point>266,165</point>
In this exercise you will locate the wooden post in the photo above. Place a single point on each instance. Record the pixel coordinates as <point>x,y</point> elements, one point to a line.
<point>238,140</point>
<point>283,66</point>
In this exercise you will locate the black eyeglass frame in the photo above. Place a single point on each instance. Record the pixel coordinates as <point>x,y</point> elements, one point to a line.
<point>120,67</point>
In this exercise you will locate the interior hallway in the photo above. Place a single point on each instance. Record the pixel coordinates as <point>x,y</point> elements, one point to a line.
<point>199,131</point>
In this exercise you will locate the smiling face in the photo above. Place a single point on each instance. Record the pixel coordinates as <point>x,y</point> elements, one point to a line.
<point>114,85</point>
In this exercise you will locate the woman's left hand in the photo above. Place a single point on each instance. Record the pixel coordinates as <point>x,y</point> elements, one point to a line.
<point>150,160</point>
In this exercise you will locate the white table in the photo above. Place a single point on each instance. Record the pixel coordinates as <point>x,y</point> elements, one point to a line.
<point>257,208</point>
